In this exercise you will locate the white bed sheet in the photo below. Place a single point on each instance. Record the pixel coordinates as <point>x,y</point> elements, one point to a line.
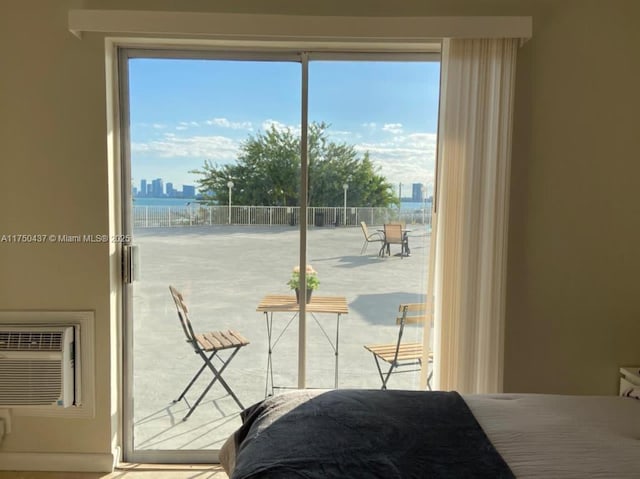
<point>555,436</point>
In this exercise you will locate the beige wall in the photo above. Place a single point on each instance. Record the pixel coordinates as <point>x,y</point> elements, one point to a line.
<point>573,311</point>
<point>573,315</point>
<point>54,180</point>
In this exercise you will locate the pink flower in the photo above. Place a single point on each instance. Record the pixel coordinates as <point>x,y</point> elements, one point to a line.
<point>311,275</point>
<point>308,270</point>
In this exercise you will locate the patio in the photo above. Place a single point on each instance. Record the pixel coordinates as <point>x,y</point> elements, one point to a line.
<point>224,272</point>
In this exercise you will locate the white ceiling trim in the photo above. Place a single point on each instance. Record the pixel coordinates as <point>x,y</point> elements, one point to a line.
<point>296,29</point>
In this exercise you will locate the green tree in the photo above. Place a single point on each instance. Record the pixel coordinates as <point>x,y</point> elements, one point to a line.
<point>267,173</point>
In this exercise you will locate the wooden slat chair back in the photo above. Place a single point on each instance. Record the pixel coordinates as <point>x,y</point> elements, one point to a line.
<point>183,314</point>
<point>393,235</point>
<point>400,354</point>
<point>208,345</point>
<point>369,237</point>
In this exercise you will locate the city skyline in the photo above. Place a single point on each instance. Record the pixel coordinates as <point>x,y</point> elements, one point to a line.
<point>157,188</point>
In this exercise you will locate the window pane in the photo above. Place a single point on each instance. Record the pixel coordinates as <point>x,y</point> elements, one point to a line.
<point>223,243</point>
<point>372,157</point>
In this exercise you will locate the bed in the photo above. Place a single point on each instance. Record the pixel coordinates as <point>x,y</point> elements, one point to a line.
<point>404,434</point>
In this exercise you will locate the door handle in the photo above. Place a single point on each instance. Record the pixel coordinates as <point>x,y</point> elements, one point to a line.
<point>130,263</point>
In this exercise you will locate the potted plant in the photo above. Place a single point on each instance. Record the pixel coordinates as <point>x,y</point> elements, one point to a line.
<point>312,281</point>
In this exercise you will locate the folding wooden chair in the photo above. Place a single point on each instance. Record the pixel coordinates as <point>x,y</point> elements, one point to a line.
<point>207,346</point>
<point>400,354</point>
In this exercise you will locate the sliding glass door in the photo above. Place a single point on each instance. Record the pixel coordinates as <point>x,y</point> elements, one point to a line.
<point>219,152</point>
<point>209,211</point>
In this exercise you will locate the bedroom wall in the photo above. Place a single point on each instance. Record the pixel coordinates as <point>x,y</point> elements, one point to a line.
<point>572,310</point>
<point>573,316</point>
<point>54,181</point>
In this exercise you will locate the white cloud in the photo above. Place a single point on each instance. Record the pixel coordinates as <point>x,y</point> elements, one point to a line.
<point>216,148</point>
<point>342,135</point>
<point>235,125</point>
<point>370,126</point>
<point>405,158</point>
<point>157,126</point>
<point>267,124</point>
<point>422,140</point>
<point>395,128</point>
<point>184,125</point>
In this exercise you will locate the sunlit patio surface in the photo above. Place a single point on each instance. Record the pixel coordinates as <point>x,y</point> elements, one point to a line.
<point>223,272</point>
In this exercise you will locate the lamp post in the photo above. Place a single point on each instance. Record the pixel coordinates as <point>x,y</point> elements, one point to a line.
<point>424,200</point>
<point>345,187</point>
<point>230,185</point>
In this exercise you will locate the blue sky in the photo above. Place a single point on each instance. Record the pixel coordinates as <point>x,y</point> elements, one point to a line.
<point>184,112</point>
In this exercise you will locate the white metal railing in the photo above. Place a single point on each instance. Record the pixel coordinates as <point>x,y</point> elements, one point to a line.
<point>168,216</point>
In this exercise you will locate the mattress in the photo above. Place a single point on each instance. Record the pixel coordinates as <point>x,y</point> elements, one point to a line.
<point>550,436</point>
<point>557,436</point>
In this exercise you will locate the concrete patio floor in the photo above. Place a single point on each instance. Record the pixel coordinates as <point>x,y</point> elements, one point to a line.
<point>223,272</point>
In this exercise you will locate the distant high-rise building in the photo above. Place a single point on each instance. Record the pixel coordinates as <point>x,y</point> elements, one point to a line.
<point>188,191</point>
<point>170,190</point>
<point>157,189</point>
<point>416,192</point>
<point>143,187</point>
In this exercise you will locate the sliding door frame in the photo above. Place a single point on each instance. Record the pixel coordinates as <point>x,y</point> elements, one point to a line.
<point>126,53</point>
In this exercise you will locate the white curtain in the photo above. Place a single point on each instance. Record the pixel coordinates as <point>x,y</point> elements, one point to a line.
<point>474,154</point>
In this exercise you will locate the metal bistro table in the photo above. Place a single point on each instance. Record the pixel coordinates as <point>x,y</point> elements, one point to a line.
<point>279,303</point>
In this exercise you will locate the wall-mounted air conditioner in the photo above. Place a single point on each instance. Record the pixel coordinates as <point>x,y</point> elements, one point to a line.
<point>37,366</point>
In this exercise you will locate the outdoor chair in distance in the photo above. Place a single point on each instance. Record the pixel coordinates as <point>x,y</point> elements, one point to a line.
<point>398,354</point>
<point>369,237</point>
<point>393,234</point>
<point>207,346</point>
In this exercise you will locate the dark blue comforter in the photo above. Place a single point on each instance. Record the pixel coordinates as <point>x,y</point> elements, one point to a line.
<point>364,434</point>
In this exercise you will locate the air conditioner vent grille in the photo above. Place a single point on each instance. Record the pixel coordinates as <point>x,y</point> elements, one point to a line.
<point>30,382</point>
<point>31,340</point>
